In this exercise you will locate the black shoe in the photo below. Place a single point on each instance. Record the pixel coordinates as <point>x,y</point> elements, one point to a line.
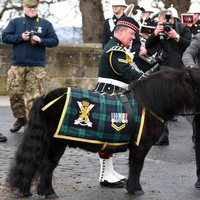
<point>162,142</point>
<point>197,184</point>
<point>3,138</point>
<point>119,184</point>
<point>18,125</point>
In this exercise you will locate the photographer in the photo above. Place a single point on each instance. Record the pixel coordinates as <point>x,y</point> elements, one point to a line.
<point>173,38</point>
<point>29,35</point>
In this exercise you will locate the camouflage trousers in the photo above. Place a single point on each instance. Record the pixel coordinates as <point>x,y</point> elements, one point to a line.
<point>24,84</point>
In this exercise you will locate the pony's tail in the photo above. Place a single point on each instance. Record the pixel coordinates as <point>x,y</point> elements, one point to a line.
<point>30,153</point>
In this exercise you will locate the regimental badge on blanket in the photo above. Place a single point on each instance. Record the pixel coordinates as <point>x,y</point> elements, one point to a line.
<point>83,119</point>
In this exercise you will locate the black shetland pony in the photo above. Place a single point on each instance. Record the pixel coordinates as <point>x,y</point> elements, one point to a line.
<point>164,93</point>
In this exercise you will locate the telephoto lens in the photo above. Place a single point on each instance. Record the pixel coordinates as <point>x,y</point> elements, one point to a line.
<point>32,33</point>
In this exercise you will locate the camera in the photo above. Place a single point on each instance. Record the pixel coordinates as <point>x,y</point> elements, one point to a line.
<point>187,19</point>
<point>32,33</point>
<point>167,25</point>
<point>147,29</point>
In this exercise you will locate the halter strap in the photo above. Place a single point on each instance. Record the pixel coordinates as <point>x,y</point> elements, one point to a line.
<point>129,110</point>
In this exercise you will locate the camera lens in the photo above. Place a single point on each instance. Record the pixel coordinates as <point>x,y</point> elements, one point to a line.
<point>167,28</point>
<point>33,42</point>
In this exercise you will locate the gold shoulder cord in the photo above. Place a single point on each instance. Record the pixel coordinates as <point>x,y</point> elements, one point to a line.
<point>110,61</point>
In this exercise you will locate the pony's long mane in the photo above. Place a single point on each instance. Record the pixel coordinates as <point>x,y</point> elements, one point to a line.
<point>165,90</point>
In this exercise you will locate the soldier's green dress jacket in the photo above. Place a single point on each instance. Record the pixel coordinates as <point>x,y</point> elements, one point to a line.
<point>115,63</point>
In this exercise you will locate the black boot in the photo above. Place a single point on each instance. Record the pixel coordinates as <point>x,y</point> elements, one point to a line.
<point>3,138</point>
<point>18,124</point>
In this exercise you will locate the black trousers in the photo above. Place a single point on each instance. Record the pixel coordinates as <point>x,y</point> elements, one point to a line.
<point>196,130</point>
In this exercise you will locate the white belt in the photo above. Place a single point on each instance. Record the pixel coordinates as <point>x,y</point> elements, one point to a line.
<point>113,82</point>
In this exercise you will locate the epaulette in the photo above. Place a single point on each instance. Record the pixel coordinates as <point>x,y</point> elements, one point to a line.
<point>116,48</point>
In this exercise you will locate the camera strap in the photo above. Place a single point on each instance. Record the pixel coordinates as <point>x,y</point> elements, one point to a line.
<point>36,22</point>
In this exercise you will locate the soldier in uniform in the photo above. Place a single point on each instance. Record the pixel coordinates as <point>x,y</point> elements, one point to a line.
<point>118,7</point>
<point>195,10</point>
<point>145,17</point>
<point>3,138</point>
<point>114,74</point>
<point>29,35</point>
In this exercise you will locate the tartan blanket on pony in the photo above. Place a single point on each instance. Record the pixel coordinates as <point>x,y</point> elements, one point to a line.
<point>97,118</point>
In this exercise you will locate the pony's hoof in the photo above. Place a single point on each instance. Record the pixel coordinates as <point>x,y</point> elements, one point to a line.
<point>139,192</point>
<point>52,196</point>
<point>23,194</point>
<point>136,193</point>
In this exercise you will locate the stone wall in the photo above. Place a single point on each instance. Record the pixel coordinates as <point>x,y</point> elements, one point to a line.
<point>69,65</point>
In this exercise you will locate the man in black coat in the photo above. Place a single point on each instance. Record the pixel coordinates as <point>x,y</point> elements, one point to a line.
<point>173,38</point>
<point>192,57</point>
<point>195,29</point>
